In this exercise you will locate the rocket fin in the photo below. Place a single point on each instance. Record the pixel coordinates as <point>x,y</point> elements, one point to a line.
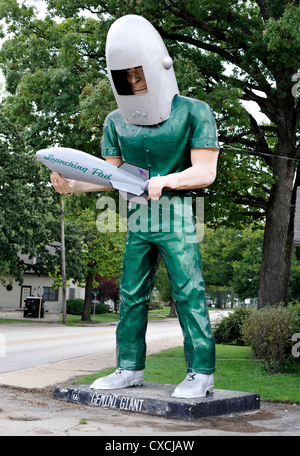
<point>136,171</point>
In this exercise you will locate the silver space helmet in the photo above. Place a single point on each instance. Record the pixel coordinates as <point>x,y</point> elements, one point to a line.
<point>133,42</point>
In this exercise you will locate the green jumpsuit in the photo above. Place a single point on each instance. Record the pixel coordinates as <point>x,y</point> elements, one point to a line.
<point>163,149</point>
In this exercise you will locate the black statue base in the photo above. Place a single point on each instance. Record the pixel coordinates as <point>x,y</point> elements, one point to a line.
<point>155,399</point>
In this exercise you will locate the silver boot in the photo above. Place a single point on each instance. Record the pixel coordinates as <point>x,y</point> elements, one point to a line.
<point>119,379</point>
<point>195,385</point>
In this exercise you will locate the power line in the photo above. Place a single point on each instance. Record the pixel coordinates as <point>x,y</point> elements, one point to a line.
<point>252,152</point>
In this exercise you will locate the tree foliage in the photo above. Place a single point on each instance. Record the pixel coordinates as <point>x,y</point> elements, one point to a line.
<point>101,251</point>
<point>27,212</point>
<point>232,259</point>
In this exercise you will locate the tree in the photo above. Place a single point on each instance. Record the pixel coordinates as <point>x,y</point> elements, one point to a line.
<point>163,286</point>
<point>232,259</point>
<point>246,271</point>
<point>295,279</point>
<point>258,40</point>
<point>30,214</point>
<point>107,289</point>
<point>28,211</point>
<point>101,250</point>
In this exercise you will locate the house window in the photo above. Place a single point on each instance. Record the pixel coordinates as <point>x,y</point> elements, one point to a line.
<point>71,293</point>
<point>50,294</point>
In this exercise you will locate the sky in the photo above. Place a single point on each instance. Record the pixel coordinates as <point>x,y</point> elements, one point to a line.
<point>42,8</point>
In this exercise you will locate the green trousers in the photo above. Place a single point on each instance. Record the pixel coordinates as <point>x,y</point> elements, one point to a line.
<point>168,231</point>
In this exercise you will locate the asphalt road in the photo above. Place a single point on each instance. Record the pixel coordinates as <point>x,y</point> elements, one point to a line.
<point>29,346</point>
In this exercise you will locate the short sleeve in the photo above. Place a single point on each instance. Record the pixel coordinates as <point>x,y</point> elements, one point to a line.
<point>110,144</point>
<point>203,127</point>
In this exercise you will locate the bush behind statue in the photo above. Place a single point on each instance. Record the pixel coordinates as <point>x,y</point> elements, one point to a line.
<point>228,330</point>
<point>269,331</point>
<point>75,307</point>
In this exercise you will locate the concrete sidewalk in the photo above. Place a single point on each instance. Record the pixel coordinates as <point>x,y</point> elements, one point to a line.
<point>34,412</point>
<point>27,408</point>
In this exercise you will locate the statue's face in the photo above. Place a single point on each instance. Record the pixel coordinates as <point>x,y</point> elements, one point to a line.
<point>136,78</point>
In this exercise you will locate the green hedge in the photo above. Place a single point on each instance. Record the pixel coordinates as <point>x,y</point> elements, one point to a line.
<point>269,331</point>
<point>229,330</point>
<point>75,307</point>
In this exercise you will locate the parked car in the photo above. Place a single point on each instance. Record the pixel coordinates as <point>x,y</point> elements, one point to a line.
<point>210,302</point>
<point>110,305</point>
<point>32,307</point>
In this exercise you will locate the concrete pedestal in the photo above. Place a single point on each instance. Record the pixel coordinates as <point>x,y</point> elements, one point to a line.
<point>155,399</point>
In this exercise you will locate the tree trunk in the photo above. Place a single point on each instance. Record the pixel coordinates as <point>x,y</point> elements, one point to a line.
<point>86,313</point>
<point>173,312</point>
<point>278,237</point>
<point>63,266</point>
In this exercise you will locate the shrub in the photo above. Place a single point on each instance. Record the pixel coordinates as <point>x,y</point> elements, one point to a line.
<point>228,330</point>
<point>100,308</point>
<point>74,306</point>
<point>269,331</point>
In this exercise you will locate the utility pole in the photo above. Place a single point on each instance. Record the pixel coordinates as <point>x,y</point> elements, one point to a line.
<point>63,266</point>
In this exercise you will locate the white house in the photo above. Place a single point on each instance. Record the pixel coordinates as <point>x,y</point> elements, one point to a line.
<point>12,296</point>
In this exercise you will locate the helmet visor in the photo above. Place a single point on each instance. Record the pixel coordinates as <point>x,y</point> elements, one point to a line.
<point>130,81</point>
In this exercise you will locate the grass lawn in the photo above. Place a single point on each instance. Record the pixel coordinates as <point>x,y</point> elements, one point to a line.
<point>236,370</point>
<point>99,318</point>
<point>156,314</point>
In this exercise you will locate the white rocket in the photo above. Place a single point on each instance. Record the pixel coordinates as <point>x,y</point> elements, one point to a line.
<point>130,180</point>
